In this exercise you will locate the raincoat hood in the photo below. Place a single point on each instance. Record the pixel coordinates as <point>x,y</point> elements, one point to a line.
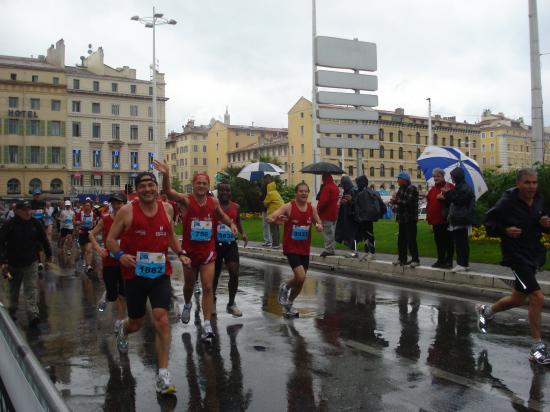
<point>458,175</point>
<point>362,182</point>
<point>271,187</point>
<point>327,179</point>
<point>346,183</point>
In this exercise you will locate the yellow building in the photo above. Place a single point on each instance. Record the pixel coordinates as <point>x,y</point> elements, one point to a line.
<point>186,153</point>
<point>402,139</point>
<point>224,138</point>
<point>274,147</point>
<point>33,113</point>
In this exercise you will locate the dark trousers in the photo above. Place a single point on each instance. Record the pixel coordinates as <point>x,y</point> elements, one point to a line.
<point>462,246</point>
<point>367,233</point>
<point>406,240</point>
<point>444,244</point>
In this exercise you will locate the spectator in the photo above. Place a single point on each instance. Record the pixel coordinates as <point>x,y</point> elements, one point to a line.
<point>20,241</point>
<point>368,207</point>
<point>327,208</point>
<point>461,203</point>
<point>346,227</point>
<point>405,202</point>
<point>265,226</point>
<point>272,202</point>
<point>436,212</point>
<point>11,213</point>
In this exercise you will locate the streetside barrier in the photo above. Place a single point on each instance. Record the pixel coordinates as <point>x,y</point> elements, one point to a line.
<point>24,385</point>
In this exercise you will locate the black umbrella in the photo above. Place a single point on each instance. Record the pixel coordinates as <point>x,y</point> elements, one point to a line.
<point>322,168</point>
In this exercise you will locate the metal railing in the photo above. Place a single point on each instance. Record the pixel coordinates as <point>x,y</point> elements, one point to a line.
<point>24,385</point>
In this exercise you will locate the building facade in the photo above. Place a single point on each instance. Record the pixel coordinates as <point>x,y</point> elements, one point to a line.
<point>275,148</point>
<point>74,130</point>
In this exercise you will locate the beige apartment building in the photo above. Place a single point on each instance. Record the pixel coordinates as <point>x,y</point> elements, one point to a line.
<point>33,113</point>
<point>186,153</point>
<point>402,139</point>
<point>273,147</point>
<point>225,138</point>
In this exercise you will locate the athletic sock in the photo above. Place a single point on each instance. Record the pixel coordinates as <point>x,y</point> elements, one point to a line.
<point>488,312</point>
<point>207,326</point>
<point>163,371</point>
<point>188,305</point>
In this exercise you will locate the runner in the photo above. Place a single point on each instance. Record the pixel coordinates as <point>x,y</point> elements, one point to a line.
<point>48,220</point>
<point>66,226</point>
<point>145,230</point>
<point>227,249</point>
<point>297,216</point>
<point>519,218</point>
<point>199,242</point>
<point>38,213</point>
<point>112,277</point>
<point>86,219</point>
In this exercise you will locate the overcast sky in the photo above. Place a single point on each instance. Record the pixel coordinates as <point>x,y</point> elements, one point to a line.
<point>255,55</point>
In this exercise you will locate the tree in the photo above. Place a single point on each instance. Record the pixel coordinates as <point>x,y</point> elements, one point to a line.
<point>177,184</point>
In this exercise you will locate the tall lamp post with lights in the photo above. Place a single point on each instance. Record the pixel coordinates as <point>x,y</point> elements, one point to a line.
<point>151,22</point>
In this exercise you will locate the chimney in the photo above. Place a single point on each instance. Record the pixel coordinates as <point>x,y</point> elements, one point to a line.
<point>56,54</point>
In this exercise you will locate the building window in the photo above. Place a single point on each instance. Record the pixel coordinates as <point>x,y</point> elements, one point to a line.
<point>97,180</point>
<point>451,140</point>
<point>56,186</point>
<point>371,171</point>
<point>115,131</point>
<point>400,136</point>
<point>150,134</point>
<point>76,157</point>
<point>302,115</point>
<point>417,139</point>
<point>204,161</point>
<point>435,140</point>
<point>302,149</point>
<point>195,148</point>
<point>76,84</point>
<point>54,128</point>
<point>327,151</point>
<point>350,170</point>
<point>133,110</point>
<point>133,133</point>
<point>381,135</point>
<point>338,151</point>
<point>35,184</point>
<point>115,159</point>
<point>392,171</point>
<point>96,86</point>
<point>301,130</point>
<point>56,105</point>
<point>13,102</point>
<point>35,104</point>
<point>76,106</point>
<point>149,111</point>
<point>114,87</point>
<point>150,158</point>
<point>35,128</point>
<point>133,88</point>
<point>96,158</point>
<point>115,180</point>
<point>13,154</point>
<point>56,81</point>
<point>204,149</point>
<point>150,91</point>
<point>76,129</point>
<point>350,152</point>
<point>34,78</point>
<point>13,76</point>
<point>55,155</point>
<point>96,130</point>
<point>34,154</point>
<point>443,141</point>
<point>14,187</point>
<point>115,109</point>
<point>391,137</point>
<point>391,153</point>
<point>134,164</point>
<point>459,143</point>
<point>196,160</point>
<point>400,153</point>
<point>96,108</point>
<point>76,180</point>
<point>381,152</point>
<point>382,170</point>
<point>417,153</point>
<point>14,126</point>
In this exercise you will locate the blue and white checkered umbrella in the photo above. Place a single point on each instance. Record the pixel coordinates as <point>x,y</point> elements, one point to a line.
<point>256,171</point>
<point>449,158</point>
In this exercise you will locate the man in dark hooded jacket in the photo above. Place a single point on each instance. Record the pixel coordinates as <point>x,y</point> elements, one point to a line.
<point>519,218</point>
<point>369,207</point>
<point>346,227</point>
<point>327,208</point>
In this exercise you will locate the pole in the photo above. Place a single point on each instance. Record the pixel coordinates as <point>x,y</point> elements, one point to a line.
<point>155,140</point>
<point>430,136</point>
<point>359,153</point>
<point>536,85</point>
<point>315,149</point>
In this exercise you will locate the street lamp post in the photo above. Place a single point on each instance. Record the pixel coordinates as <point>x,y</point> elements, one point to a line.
<point>151,22</point>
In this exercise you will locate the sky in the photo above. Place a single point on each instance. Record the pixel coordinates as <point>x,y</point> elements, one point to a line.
<point>254,56</point>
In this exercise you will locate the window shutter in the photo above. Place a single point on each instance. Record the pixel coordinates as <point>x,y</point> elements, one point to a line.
<point>63,129</point>
<point>27,155</point>
<point>21,127</point>
<point>49,128</point>
<point>42,128</point>
<point>63,156</point>
<point>43,155</point>
<point>20,152</point>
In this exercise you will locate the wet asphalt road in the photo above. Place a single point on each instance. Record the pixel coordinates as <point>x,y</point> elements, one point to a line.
<point>356,346</point>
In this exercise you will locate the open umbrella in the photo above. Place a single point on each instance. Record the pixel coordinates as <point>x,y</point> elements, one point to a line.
<point>256,171</point>
<point>320,168</point>
<point>449,158</point>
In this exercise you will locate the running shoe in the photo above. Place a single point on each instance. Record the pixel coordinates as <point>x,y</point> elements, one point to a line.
<point>208,336</point>
<point>102,305</point>
<point>414,264</point>
<point>354,255</point>
<point>118,325</point>
<point>164,383</point>
<point>122,340</point>
<point>89,270</point>
<point>40,267</point>
<point>397,263</point>
<point>539,354</point>
<point>186,313</point>
<point>283,294</point>
<point>290,312</point>
<point>482,318</point>
<point>234,310</point>
<point>266,244</point>
<point>459,268</point>
<point>197,290</point>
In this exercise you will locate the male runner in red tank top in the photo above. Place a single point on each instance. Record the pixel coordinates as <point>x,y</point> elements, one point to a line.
<point>146,231</point>
<point>198,241</point>
<point>298,215</point>
<point>112,275</point>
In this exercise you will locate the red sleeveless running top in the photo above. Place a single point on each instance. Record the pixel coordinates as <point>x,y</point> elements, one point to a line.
<point>107,223</point>
<point>146,234</point>
<point>196,223</point>
<point>295,239</point>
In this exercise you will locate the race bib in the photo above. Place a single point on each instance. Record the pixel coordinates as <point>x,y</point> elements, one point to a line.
<point>68,221</point>
<point>201,230</point>
<point>224,233</point>
<point>150,265</point>
<point>38,214</point>
<point>87,222</point>
<point>299,232</point>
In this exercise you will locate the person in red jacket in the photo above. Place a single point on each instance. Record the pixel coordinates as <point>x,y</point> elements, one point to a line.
<point>327,208</point>
<point>436,216</point>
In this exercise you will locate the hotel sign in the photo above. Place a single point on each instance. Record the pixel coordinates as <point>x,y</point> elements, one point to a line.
<point>29,114</point>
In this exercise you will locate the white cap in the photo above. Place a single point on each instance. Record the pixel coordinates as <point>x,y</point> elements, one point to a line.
<point>67,202</point>
<point>88,198</point>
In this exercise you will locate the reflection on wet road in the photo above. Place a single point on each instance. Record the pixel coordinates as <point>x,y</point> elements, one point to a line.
<point>356,346</point>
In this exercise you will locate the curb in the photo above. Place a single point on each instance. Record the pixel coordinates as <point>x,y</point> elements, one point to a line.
<point>469,283</point>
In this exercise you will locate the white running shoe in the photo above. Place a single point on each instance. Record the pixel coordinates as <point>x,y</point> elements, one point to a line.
<point>164,383</point>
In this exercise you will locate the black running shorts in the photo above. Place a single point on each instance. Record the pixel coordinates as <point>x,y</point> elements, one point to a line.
<point>295,260</point>
<point>526,281</point>
<point>228,252</point>
<point>66,232</point>
<point>114,284</point>
<point>138,289</point>
<point>83,239</point>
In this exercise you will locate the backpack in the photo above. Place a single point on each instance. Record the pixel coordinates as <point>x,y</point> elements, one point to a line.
<point>369,206</point>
